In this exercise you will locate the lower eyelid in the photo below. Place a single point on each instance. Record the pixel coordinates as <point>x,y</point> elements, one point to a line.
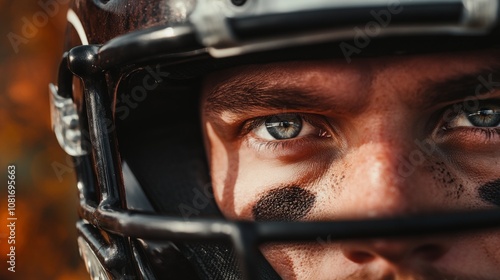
<point>468,138</point>
<point>291,149</point>
<point>488,133</point>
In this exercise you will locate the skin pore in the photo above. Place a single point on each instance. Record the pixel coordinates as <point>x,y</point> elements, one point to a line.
<point>379,137</point>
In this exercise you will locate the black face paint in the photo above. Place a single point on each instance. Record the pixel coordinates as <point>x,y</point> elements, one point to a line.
<point>284,204</point>
<point>490,192</point>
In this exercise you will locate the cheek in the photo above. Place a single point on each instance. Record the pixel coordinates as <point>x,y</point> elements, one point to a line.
<point>446,180</point>
<point>219,162</point>
<point>479,174</point>
<point>268,190</point>
<point>491,244</point>
<point>467,181</point>
<point>475,254</point>
<point>240,176</point>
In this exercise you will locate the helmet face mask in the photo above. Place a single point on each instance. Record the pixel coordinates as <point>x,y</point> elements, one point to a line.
<point>148,208</point>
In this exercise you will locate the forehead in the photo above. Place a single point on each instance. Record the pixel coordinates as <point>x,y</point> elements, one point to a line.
<point>434,66</point>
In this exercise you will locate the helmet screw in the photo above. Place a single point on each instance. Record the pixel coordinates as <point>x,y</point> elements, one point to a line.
<point>238,2</point>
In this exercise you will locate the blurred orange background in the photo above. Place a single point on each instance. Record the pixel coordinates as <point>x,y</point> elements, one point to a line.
<point>45,200</point>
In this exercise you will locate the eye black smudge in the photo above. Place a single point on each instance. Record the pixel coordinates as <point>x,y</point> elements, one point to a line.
<point>490,192</point>
<point>284,204</point>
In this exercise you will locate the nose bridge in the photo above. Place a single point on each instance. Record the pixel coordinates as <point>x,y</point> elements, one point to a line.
<point>377,187</point>
<point>379,163</point>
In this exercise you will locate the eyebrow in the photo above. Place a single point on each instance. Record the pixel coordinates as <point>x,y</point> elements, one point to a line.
<point>244,94</point>
<point>477,84</point>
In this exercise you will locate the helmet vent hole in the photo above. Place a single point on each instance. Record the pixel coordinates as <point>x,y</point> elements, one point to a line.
<point>238,2</point>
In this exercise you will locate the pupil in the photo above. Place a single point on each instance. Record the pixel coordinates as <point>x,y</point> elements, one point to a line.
<point>285,126</point>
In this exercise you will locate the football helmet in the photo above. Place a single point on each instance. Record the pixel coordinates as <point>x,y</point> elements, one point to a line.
<point>125,107</point>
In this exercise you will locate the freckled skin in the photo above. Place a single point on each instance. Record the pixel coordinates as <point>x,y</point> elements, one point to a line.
<point>376,109</point>
<point>446,179</point>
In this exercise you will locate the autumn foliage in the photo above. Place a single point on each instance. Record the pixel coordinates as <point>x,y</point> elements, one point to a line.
<point>46,245</point>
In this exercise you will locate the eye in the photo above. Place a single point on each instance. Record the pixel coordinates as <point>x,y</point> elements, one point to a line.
<point>485,118</point>
<point>283,127</point>
<point>486,115</point>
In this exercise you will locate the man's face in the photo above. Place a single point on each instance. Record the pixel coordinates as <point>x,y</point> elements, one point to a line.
<point>380,137</point>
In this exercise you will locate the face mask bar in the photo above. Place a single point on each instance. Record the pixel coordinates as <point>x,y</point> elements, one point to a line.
<point>108,229</point>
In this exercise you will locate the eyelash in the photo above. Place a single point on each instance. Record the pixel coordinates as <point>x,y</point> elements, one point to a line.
<point>279,144</point>
<point>489,134</point>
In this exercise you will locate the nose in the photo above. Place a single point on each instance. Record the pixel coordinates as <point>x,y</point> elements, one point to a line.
<point>379,190</point>
<point>394,251</point>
